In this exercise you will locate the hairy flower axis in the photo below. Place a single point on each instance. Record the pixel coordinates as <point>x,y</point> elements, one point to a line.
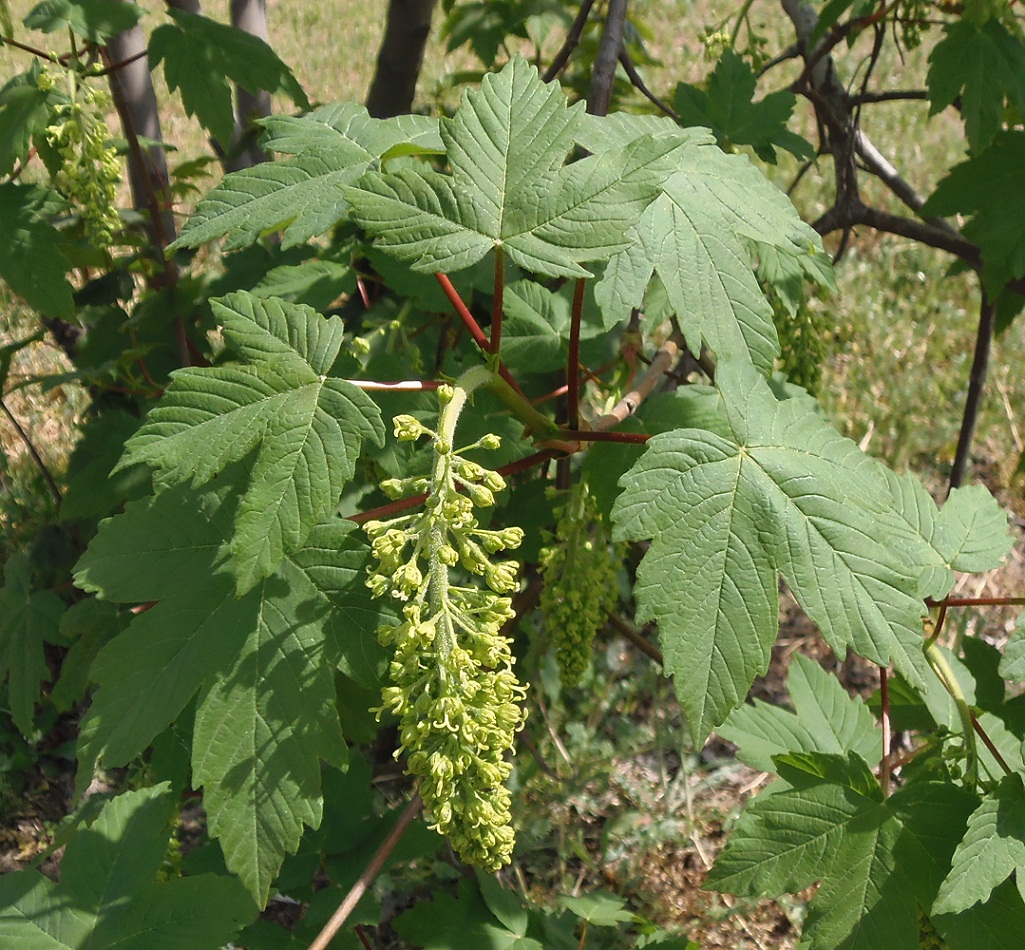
<point>579,584</point>
<point>454,689</point>
<point>90,171</point>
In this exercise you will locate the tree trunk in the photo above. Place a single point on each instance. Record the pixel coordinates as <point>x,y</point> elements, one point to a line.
<point>136,104</point>
<point>406,30</point>
<point>251,16</point>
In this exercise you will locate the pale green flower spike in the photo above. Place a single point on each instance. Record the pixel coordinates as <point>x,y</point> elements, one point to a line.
<point>90,171</point>
<point>579,583</point>
<point>454,689</point>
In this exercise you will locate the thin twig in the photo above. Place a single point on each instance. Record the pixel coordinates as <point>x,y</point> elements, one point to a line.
<point>40,464</point>
<point>893,95</point>
<point>635,77</point>
<point>42,54</point>
<point>884,699</point>
<point>988,742</point>
<point>121,64</point>
<point>976,384</point>
<point>365,879</point>
<point>665,359</point>
<point>570,43</point>
<point>631,633</point>
<point>407,385</point>
<point>573,359</point>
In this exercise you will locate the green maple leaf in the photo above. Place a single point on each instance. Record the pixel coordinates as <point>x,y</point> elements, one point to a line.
<point>24,113</point>
<point>200,55</point>
<point>969,533</point>
<point>509,188</point>
<point>982,64</point>
<point>28,620</point>
<point>1012,664</point>
<point>729,110</point>
<point>30,254</point>
<point>107,898</point>
<point>784,494</point>
<point>305,428</point>
<point>332,147</point>
<point>996,925</point>
<point>263,665</point>
<point>696,236</point>
<point>988,187</point>
<point>878,859</point>
<point>464,922</point>
<point>825,719</point>
<point>992,848</point>
<point>93,20</point>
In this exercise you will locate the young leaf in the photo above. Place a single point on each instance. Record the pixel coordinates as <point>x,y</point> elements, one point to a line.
<point>694,235</point>
<point>263,665</point>
<point>30,254</point>
<point>987,187</point>
<point>93,20</point>
<point>786,494</point>
<point>200,55</point>
<point>729,110</point>
<point>332,146</point>
<point>107,896</point>
<point>825,719</point>
<point>980,65</point>
<point>28,619</point>
<point>506,145</point>
<point>878,860</point>
<point>993,847</point>
<point>306,429</point>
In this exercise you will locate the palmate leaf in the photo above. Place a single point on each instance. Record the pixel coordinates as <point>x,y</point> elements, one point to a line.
<point>30,254</point>
<point>107,897</point>
<point>969,533</point>
<point>93,20</point>
<point>825,719</point>
<point>785,494</point>
<point>993,847</point>
<point>695,236</point>
<point>981,65</point>
<point>24,113</point>
<point>729,110</point>
<point>263,665</point>
<point>305,428</point>
<point>878,859</point>
<point>987,186</point>
<point>506,146</point>
<point>332,146</point>
<point>200,55</point>
<point>28,620</point>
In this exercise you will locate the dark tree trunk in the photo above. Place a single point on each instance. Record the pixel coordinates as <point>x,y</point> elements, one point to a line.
<point>251,16</point>
<point>406,30</point>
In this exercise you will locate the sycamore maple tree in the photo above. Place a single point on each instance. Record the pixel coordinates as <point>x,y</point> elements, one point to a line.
<point>298,548</point>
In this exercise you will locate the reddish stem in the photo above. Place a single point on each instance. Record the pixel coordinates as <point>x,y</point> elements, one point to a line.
<point>573,361</point>
<point>981,602</point>
<point>884,698</point>
<point>497,301</point>
<point>475,331</point>
<point>981,733</point>
<point>584,435</point>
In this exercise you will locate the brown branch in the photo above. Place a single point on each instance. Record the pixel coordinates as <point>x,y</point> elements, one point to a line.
<point>570,43</point>
<point>609,47</point>
<point>976,384</point>
<point>42,54</point>
<point>34,452</point>
<point>895,95</point>
<point>665,359</point>
<point>635,77</point>
<point>365,879</point>
<point>631,633</point>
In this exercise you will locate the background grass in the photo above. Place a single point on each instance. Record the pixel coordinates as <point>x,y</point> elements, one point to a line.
<point>651,811</point>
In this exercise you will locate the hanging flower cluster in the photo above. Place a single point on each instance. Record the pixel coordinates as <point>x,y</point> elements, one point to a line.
<point>89,172</point>
<point>579,583</point>
<point>453,687</point>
